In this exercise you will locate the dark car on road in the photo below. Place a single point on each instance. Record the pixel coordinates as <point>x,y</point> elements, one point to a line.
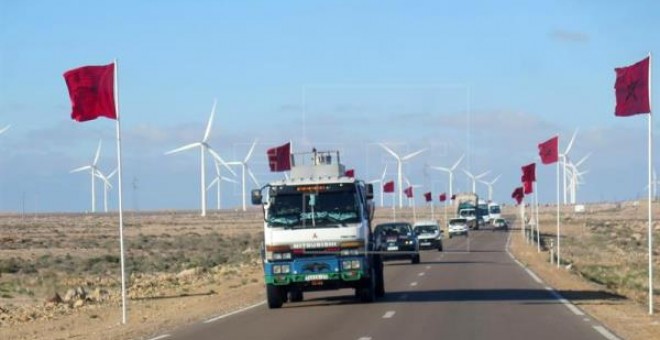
<point>396,241</point>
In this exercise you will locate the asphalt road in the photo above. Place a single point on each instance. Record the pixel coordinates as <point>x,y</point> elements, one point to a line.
<point>455,294</point>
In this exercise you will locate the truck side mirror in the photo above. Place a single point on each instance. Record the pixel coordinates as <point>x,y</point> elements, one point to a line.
<point>257,199</point>
<point>370,191</point>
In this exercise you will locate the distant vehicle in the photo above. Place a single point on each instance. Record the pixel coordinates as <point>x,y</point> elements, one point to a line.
<point>494,211</point>
<point>428,234</point>
<point>483,213</point>
<point>396,240</point>
<point>457,226</point>
<point>469,209</point>
<point>500,224</point>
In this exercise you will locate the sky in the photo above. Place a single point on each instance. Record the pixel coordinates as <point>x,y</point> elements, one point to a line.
<point>486,79</point>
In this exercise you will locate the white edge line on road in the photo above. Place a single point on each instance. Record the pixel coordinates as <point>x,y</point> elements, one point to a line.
<point>163,336</point>
<point>234,312</point>
<point>421,274</point>
<point>428,267</point>
<point>389,314</point>
<point>604,332</point>
<point>531,273</point>
<point>365,338</point>
<point>413,284</point>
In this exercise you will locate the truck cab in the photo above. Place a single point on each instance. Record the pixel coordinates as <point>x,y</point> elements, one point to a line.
<point>317,232</point>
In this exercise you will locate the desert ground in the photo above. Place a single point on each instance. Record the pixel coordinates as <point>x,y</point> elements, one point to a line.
<point>60,277</point>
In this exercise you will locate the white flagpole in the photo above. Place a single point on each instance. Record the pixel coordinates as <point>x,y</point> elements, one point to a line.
<point>393,207</point>
<point>538,230</point>
<point>121,219</point>
<point>558,238</point>
<point>432,211</point>
<point>650,237</point>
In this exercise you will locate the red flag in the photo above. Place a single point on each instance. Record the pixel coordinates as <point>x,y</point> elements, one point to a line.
<point>279,158</point>
<point>388,187</point>
<point>549,150</point>
<point>518,194</point>
<point>631,89</point>
<point>91,89</point>
<point>428,197</point>
<point>529,173</point>
<point>409,192</point>
<point>528,187</point>
<point>443,197</point>
<point>350,173</point>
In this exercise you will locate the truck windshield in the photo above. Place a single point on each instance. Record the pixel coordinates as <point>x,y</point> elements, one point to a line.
<point>495,209</point>
<point>313,210</point>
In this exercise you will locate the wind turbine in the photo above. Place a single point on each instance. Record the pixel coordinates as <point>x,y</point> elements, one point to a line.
<point>574,177</point>
<point>93,171</point>
<point>564,160</point>
<point>475,178</point>
<point>399,167</point>
<point>450,171</point>
<point>204,147</point>
<point>4,129</point>
<point>490,186</point>
<point>106,186</point>
<point>245,168</point>
<point>217,181</point>
<point>381,181</point>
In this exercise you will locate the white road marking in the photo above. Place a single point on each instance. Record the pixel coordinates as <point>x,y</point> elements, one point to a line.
<point>604,332</point>
<point>586,319</point>
<point>421,274</point>
<point>365,338</point>
<point>531,273</point>
<point>389,314</point>
<point>428,267</point>
<point>161,337</point>
<point>413,284</point>
<point>566,303</point>
<point>519,263</point>
<point>235,312</point>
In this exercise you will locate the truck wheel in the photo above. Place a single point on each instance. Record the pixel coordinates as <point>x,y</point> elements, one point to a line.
<point>380,277</point>
<point>367,292</point>
<point>275,296</point>
<point>415,259</point>
<point>296,295</point>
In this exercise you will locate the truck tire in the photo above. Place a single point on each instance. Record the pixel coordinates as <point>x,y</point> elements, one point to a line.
<point>380,277</point>
<point>367,292</point>
<point>415,259</point>
<point>296,295</point>
<point>275,296</point>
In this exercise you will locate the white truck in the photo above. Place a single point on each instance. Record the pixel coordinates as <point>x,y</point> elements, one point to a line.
<point>494,211</point>
<point>317,232</point>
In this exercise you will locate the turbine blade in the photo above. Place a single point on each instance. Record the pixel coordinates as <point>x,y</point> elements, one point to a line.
<point>482,174</point>
<point>495,180</point>
<point>82,168</point>
<point>227,179</point>
<point>453,167</point>
<point>183,148</point>
<point>439,168</point>
<point>389,151</point>
<point>382,178</point>
<point>215,180</point>
<point>114,172</point>
<point>412,155</point>
<point>217,168</point>
<point>254,179</point>
<point>468,174</point>
<point>570,144</point>
<point>210,123</point>
<point>98,153</point>
<point>219,159</point>
<point>249,154</point>
<point>4,129</point>
<point>583,160</point>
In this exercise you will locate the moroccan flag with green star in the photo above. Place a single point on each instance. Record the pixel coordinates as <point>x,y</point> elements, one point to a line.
<point>632,89</point>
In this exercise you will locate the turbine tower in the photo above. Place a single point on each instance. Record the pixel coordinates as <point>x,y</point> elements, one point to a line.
<point>204,147</point>
<point>450,171</point>
<point>217,182</point>
<point>381,181</point>
<point>564,161</point>
<point>106,186</point>
<point>475,178</point>
<point>399,167</point>
<point>93,172</point>
<point>245,168</point>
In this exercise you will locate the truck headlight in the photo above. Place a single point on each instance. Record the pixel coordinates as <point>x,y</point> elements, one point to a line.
<point>355,264</point>
<point>286,256</point>
<point>346,264</point>
<point>277,269</point>
<point>277,256</point>
<point>286,269</point>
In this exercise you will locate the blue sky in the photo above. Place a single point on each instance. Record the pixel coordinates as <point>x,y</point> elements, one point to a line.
<point>340,74</point>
